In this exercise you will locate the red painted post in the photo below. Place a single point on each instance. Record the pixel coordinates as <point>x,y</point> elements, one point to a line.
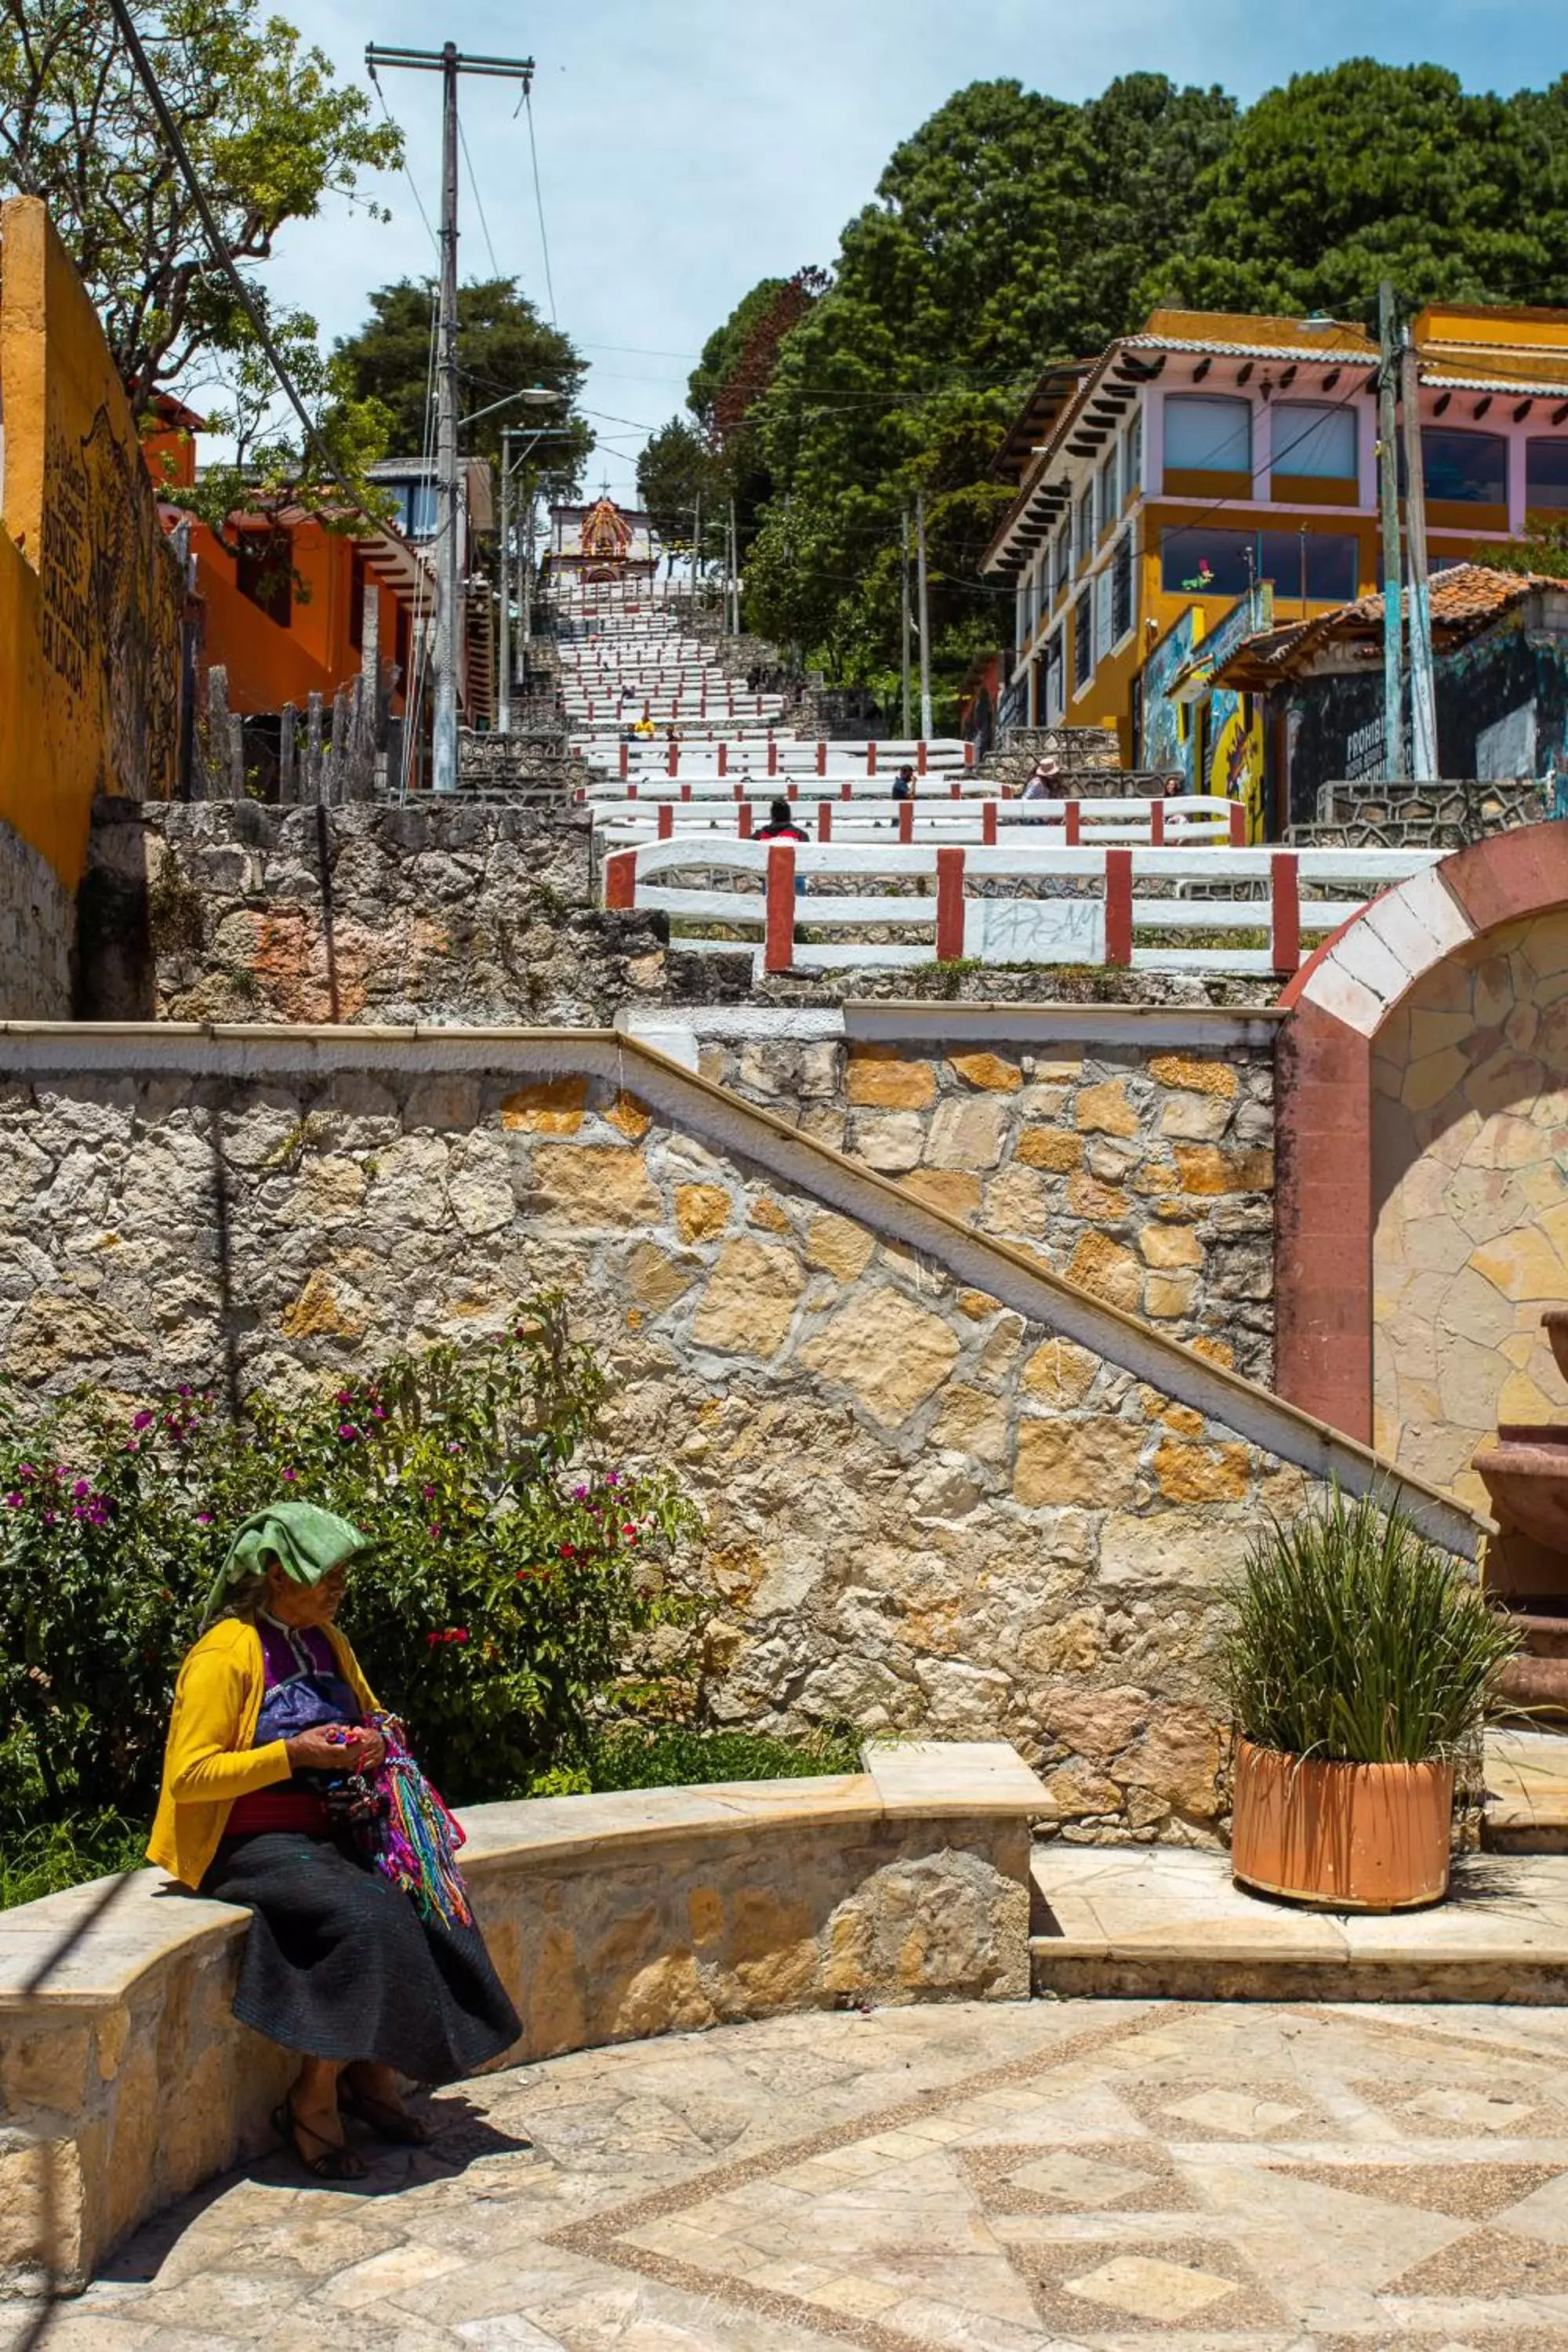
<point>791,791</point>
<point>737,791</point>
<point>723,758</point>
<point>621,879</point>
<point>921,762</point>
<point>625,762</point>
<point>1156,824</point>
<point>968,755</point>
<point>846,791</point>
<point>631,792</point>
<point>825,820</point>
<point>686,792</point>
<point>1119,906</point>
<point>744,813</point>
<point>871,759</point>
<point>772,755</point>
<point>822,759</point>
<point>672,762</point>
<point>949,906</point>
<point>1238,825</point>
<point>666,820</point>
<point>778,952</point>
<point>988,824</point>
<point>956,791</point>
<point>1072,820</point>
<point>906,820</point>
<point>1285,903</point>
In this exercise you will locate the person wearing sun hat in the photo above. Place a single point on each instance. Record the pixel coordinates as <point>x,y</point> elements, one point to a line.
<point>272,1716</point>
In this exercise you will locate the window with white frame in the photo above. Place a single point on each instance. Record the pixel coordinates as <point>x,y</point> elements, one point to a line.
<point>1121,588</point>
<point>1083,639</point>
<point>1085,525</point>
<point>1102,616</point>
<point>1207,433</point>
<point>1055,679</point>
<point>1108,501</point>
<point>1132,454</point>
<point>1315,438</point>
<point>1021,614</point>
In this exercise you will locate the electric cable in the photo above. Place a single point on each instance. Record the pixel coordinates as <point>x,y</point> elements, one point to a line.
<point>224,259</point>
<point>539,201</point>
<point>393,124</point>
<point>479,200</point>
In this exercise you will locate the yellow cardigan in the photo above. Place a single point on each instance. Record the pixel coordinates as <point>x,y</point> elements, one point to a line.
<point>209,1760</point>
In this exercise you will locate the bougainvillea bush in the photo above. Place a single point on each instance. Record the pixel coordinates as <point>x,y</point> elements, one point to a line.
<point>517,1565</point>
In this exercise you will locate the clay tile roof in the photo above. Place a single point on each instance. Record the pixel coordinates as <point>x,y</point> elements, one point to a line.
<point>1464,598</point>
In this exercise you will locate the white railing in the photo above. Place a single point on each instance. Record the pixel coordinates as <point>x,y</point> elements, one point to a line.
<point>964,812</point>
<point>1095,920</point>
<point>712,763</point>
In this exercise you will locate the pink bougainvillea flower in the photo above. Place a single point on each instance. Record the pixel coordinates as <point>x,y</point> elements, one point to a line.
<point>81,1489</point>
<point>143,1420</point>
<point>347,1432</point>
<point>291,1476</point>
<point>568,1552</point>
<point>14,1502</point>
<point>629,1530</point>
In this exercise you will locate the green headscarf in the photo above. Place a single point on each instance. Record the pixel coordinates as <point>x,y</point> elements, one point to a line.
<point>306,1543</point>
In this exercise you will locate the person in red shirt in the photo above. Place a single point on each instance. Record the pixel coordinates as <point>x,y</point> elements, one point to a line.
<point>780,826</point>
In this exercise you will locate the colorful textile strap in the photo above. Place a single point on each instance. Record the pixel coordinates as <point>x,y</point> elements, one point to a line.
<point>415,1838</point>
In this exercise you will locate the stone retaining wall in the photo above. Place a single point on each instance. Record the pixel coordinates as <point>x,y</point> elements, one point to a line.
<point>125,2080</point>
<point>237,911</point>
<point>1143,1169</point>
<point>37,933</point>
<point>945,1494</point>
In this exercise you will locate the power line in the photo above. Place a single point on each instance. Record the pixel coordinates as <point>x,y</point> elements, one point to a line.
<point>222,255</point>
<point>413,184</point>
<point>479,200</point>
<point>539,201</point>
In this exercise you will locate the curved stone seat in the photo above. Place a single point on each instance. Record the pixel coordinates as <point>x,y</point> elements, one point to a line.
<point>125,2080</point>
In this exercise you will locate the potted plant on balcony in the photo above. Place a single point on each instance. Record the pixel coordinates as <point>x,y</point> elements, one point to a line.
<point>1357,1662</point>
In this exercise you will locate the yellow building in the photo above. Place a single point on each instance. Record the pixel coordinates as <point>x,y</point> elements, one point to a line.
<point>1212,453</point>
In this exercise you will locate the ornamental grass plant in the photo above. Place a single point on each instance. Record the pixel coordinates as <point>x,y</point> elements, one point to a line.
<point>1351,1639</point>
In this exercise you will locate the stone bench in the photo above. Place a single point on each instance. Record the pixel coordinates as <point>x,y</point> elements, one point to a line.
<point>125,2080</point>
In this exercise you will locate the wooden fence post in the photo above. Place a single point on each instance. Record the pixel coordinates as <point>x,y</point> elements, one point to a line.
<point>1237,825</point>
<point>621,879</point>
<point>288,757</point>
<point>236,755</point>
<point>312,792</point>
<point>666,820</point>
<point>988,824</point>
<point>743,816</point>
<point>949,906</point>
<point>1072,824</point>
<point>1119,906</point>
<point>906,821</point>
<point>778,951</point>
<point>1285,910</point>
<point>340,750</point>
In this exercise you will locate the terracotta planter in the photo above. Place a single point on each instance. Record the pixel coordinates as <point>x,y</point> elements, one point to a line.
<point>1346,1837</point>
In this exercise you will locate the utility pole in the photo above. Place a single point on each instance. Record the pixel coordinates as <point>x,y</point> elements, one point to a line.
<point>526,587</point>
<point>734,597</point>
<point>1388,501</point>
<point>696,549</point>
<point>926,729</point>
<point>1422,686</point>
<point>904,633</point>
<point>503,688</point>
<point>448,62</point>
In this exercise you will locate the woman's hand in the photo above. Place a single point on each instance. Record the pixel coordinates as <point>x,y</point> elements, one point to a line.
<point>366,1748</point>
<point>325,1747</point>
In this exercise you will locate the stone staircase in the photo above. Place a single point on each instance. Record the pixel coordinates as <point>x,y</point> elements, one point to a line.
<point>1526,1807</point>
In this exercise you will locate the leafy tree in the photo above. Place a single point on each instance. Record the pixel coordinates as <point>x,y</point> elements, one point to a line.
<point>676,467</point>
<point>1544,549</point>
<point>1367,172</point>
<point>1011,227</point>
<point>503,345</point>
<point>270,134</point>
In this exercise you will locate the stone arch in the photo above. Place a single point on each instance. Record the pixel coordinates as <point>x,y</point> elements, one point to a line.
<point>1424,1108</point>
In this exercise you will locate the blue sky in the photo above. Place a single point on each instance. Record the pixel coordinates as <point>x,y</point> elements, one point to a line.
<point>688,147</point>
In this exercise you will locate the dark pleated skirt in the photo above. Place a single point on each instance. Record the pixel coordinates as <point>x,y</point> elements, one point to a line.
<point>339,1964</point>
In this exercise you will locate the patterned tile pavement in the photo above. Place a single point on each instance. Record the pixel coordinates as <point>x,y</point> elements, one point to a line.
<point>1097,2174</point>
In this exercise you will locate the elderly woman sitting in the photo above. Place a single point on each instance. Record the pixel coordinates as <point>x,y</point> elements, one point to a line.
<point>269,1720</point>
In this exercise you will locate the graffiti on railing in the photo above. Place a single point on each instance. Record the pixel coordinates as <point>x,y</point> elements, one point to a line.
<point>1035,931</point>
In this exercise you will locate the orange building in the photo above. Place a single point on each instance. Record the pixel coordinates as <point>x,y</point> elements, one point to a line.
<point>1211,455</point>
<point>286,596</point>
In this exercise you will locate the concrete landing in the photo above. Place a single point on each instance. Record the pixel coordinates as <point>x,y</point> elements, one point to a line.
<point>1157,1921</point>
<point>1527,1792</point>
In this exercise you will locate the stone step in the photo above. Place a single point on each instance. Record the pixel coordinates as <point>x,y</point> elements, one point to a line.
<point>1167,1923</point>
<point>1526,1809</point>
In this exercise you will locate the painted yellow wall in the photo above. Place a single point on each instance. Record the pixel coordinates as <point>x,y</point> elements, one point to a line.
<point>91,597</point>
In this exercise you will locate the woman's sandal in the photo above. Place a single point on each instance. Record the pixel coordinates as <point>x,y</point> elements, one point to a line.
<point>334,2163</point>
<point>385,2120</point>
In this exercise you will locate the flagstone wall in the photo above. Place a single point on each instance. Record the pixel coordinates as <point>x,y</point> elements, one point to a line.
<point>1470,1195</point>
<point>928,1509</point>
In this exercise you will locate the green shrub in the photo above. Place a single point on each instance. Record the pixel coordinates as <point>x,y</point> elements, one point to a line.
<point>1352,1639</point>
<point>513,1564</point>
<point>52,1855</point>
